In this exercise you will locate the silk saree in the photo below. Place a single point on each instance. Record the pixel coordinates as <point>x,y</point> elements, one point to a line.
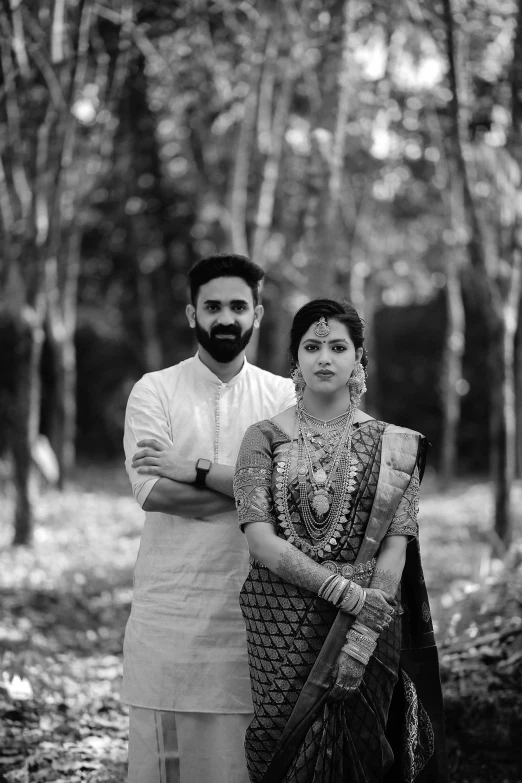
<point>391,728</point>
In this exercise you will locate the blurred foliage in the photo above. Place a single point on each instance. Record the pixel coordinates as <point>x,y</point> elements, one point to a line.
<point>183,141</point>
<point>167,197</point>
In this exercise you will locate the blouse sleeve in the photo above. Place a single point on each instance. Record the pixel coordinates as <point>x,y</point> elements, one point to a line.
<point>253,479</point>
<point>404,522</point>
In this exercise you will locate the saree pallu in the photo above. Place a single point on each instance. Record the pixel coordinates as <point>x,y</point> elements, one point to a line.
<point>383,731</point>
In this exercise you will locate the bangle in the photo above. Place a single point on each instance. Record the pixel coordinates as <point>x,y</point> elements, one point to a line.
<point>350,597</point>
<point>356,610</point>
<point>330,588</point>
<point>344,594</point>
<point>364,630</point>
<point>362,641</point>
<point>360,646</point>
<point>323,590</point>
<point>356,652</point>
<point>339,591</point>
<point>353,598</point>
<point>333,589</point>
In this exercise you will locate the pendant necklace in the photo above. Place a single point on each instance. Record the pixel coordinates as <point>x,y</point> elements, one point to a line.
<point>318,492</point>
<point>321,481</point>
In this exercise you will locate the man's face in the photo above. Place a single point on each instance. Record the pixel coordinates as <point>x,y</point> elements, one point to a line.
<point>224,317</point>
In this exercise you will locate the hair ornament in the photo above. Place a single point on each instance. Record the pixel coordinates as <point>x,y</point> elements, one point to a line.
<point>322,329</point>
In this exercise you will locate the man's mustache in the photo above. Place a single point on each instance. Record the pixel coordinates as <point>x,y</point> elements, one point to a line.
<point>235,331</point>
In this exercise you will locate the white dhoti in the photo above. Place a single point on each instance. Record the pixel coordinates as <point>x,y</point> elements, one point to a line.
<point>186,747</point>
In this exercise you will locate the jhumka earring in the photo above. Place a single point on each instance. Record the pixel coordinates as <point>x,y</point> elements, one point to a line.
<point>357,383</point>
<point>299,382</point>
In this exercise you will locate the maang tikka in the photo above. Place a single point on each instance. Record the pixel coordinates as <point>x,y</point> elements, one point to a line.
<point>322,329</point>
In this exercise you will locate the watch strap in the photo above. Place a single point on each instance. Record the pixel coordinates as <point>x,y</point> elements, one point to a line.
<point>202,468</point>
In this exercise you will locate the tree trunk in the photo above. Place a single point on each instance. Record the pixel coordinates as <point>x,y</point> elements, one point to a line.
<point>502,361</point>
<point>503,429</point>
<point>61,321</point>
<point>452,371</point>
<point>372,399</point>
<point>267,193</point>
<point>274,338</point>
<point>518,394</point>
<point>26,418</point>
<point>63,416</point>
<point>363,296</point>
<point>152,348</point>
<point>454,339</point>
<point>328,247</point>
<point>245,145</point>
<point>516,146</point>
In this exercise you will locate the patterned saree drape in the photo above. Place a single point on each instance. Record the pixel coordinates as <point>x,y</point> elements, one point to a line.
<point>294,639</point>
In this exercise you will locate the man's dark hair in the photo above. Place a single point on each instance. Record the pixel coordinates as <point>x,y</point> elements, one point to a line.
<point>225,265</point>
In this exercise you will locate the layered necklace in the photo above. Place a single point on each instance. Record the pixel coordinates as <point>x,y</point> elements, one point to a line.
<point>326,472</point>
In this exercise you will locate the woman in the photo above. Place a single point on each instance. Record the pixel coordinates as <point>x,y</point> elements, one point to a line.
<point>328,497</point>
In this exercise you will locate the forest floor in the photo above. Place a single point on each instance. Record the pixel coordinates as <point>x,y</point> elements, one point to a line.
<point>64,604</point>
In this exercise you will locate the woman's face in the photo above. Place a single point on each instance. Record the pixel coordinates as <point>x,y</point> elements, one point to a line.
<point>327,362</point>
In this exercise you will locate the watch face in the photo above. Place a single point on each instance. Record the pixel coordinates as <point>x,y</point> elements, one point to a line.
<point>203,464</point>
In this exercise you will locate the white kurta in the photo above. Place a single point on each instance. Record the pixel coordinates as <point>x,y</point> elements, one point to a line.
<point>185,645</point>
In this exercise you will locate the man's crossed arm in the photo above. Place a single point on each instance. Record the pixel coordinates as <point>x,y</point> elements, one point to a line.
<point>175,492</point>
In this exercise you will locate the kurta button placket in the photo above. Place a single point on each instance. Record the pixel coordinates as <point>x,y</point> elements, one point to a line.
<point>218,416</point>
<point>225,420</point>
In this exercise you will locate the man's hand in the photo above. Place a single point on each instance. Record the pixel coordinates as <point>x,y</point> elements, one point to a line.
<point>155,459</point>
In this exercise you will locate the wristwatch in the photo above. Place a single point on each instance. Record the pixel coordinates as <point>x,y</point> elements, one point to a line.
<point>202,468</point>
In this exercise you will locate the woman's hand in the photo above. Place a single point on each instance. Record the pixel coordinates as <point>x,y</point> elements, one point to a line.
<point>348,677</point>
<point>378,609</point>
<point>156,459</point>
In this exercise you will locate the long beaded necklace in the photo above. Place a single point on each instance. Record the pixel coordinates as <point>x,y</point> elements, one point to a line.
<point>331,499</point>
<point>314,430</point>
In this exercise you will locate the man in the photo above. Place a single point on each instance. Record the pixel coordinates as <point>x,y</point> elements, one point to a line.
<point>185,666</point>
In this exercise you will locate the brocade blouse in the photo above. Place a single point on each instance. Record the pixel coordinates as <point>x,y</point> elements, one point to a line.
<point>264,452</point>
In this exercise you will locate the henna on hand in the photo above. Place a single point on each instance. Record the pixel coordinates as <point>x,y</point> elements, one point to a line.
<point>386,580</point>
<point>348,678</point>
<point>299,569</point>
<point>376,612</point>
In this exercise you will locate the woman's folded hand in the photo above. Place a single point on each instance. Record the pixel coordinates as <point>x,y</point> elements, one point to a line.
<point>378,609</point>
<point>348,677</point>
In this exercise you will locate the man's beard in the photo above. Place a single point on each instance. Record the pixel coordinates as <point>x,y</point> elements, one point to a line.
<point>223,351</point>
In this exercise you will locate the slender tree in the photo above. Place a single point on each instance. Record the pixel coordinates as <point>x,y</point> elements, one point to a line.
<point>58,74</point>
<point>515,141</point>
<point>454,336</point>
